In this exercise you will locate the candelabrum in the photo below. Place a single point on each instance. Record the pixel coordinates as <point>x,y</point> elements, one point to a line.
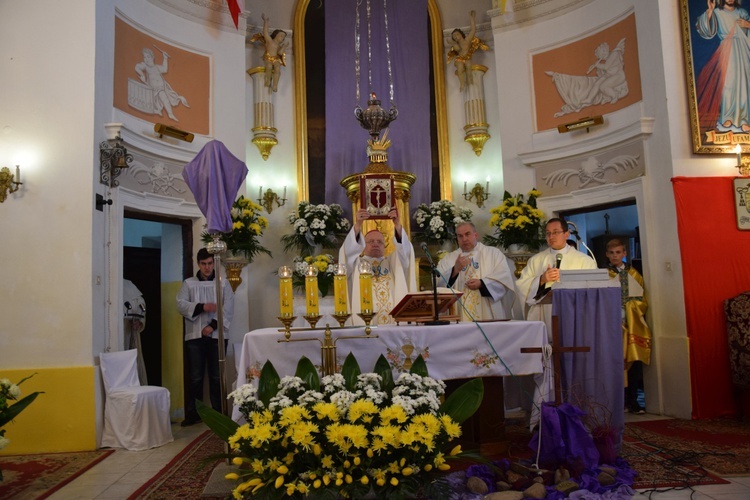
<point>478,193</point>
<point>268,198</point>
<point>9,184</point>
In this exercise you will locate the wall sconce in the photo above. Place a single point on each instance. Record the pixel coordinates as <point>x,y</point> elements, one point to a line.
<point>113,157</point>
<point>743,164</point>
<point>478,193</point>
<point>268,198</point>
<point>8,184</point>
<point>163,130</point>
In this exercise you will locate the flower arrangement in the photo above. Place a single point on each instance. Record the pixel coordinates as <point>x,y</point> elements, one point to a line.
<point>11,392</point>
<point>315,225</point>
<point>247,226</point>
<point>325,265</point>
<point>345,435</point>
<point>439,219</point>
<point>517,222</point>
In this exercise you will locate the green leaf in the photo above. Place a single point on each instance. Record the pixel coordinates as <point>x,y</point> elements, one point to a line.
<point>221,425</point>
<point>13,410</point>
<point>419,367</point>
<point>383,368</point>
<point>308,373</point>
<point>268,383</point>
<point>350,371</point>
<point>464,401</point>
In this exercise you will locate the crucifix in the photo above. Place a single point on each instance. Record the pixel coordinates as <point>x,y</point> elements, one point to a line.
<point>557,351</point>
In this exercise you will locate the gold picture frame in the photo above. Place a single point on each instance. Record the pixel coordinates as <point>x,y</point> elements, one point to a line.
<point>741,188</point>
<point>711,130</point>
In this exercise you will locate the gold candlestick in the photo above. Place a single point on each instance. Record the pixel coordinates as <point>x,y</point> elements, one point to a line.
<point>367,318</point>
<point>287,322</point>
<point>312,319</point>
<point>342,318</point>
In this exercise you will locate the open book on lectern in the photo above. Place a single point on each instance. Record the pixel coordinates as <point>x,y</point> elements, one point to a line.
<point>419,307</point>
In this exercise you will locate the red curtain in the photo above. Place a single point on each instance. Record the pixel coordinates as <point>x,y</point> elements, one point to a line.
<point>715,267</point>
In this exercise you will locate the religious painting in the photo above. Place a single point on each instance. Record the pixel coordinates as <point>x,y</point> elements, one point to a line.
<point>593,75</point>
<point>377,194</point>
<point>717,80</point>
<point>160,82</point>
<point>741,188</point>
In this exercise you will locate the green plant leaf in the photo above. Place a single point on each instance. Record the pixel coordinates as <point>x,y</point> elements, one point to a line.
<point>13,410</point>
<point>419,367</point>
<point>350,371</point>
<point>383,368</point>
<point>268,383</point>
<point>308,373</point>
<point>221,425</point>
<point>464,401</point>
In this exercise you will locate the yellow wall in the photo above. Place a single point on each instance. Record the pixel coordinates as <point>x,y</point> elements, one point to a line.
<point>61,419</point>
<point>171,345</point>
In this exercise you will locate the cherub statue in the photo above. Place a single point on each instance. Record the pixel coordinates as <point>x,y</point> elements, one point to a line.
<point>462,48</point>
<point>275,54</point>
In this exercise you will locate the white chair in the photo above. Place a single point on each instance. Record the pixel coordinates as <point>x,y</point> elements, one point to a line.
<point>136,417</point>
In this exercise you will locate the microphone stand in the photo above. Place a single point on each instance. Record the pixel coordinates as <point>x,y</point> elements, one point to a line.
<point>435,273</point>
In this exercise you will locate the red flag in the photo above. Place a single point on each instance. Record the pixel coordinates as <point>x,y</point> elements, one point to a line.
<point>234,9</point>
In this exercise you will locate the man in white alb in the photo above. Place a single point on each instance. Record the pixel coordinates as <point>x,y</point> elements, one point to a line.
<point>392,277</point>
<point>482,274</point>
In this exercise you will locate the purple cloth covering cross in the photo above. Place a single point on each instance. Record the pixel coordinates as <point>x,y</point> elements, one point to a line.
<point>214,176</point>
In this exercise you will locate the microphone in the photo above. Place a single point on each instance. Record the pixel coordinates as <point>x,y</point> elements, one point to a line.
<point>558,260</point>
<point>427,253</point>
<point>572,228</point>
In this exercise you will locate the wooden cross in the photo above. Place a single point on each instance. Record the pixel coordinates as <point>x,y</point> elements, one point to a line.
<point>557,351</point>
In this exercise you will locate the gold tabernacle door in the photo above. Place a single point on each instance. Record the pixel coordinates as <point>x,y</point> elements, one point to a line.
<point>419,307</point>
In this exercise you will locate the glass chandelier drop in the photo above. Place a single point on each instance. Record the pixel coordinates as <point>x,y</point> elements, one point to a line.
<point>374,118</point>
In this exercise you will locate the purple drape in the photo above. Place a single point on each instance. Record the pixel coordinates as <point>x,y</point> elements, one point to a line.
<point>346,140</point>
<point>214,176</point>
<point>593,317</point>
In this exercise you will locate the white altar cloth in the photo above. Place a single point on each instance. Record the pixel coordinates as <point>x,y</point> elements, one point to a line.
<point>450,351</point>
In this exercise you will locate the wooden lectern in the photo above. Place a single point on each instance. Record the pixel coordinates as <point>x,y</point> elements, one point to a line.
<point>420,307</point>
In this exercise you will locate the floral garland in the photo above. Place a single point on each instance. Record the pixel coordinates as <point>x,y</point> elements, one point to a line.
<point>247,227</point>
<point>439,219</point>
<point>316,225</point>
<point>517,221</point>
<point>324,263</point>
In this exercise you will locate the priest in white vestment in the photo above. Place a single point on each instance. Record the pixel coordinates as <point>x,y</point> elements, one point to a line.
<point>393,276</point>
<point>541,271</point>
<point>483,275</point>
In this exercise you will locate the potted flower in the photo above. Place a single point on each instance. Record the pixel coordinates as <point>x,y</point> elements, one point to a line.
<point>438,221</point>
<point>247,227</point>
<point>517,221</point>
<point>325,265</point>
<point>316,227</point>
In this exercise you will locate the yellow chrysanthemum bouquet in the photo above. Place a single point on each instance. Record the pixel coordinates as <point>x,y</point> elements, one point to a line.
<point>345,435</point>
<point>517,221</point>
<point>247,227</point>
<point>324,263</point>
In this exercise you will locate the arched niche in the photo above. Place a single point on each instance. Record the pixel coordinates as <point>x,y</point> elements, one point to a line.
<point>301,109</point>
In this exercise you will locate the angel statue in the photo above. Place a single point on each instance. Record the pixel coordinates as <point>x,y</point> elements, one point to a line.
<point>275,54</point>
<point>462,48</point>
<point>607,86</point>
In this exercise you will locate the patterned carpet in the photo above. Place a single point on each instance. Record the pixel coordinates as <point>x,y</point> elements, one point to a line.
<point>38,476</point>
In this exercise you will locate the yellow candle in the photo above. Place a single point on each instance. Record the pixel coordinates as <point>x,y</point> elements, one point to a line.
<point>339,294</point>
<point>365,293</point>
<point>311,292</point>
<point>286,298</point>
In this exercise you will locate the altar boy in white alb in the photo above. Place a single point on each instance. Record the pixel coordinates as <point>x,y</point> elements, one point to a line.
<point>483,275</point>
<point>393,276</point>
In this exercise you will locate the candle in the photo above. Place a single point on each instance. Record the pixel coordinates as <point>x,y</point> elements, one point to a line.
<point>284,197</point>
<point>464,187</point>
<point>260,193</point>
<point>365,287</point>
<point>738,150</point>
<point>340,301</point>
<point>487,188</point>
<point>286,299</point>
<point>311,291</point>
<point>18,174</point>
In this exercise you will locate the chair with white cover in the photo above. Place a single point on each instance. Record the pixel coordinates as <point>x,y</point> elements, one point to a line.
<point>136,417</point>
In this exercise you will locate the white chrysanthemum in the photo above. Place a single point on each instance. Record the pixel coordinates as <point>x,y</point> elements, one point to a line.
<point>243,394</point>
<point>4,442</point>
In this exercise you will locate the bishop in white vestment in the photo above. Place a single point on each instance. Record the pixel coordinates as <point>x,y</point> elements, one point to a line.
<point>393,276</point>
<point>483,275</point>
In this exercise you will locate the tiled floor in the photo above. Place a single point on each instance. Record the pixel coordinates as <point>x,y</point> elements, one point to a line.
<point>124,471</point>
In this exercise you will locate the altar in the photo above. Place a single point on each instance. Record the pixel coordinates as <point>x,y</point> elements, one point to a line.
<point>455,351</point>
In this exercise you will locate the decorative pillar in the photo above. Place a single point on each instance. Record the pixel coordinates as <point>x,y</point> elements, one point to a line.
<point>264,132</point>
<point>474,110</point>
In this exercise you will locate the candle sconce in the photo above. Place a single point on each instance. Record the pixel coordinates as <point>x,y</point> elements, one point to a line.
<point>9,184</point>
<point>743,163</point>
<point>268,198</point>
<point>113,157</point>
<point>478,193</point>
